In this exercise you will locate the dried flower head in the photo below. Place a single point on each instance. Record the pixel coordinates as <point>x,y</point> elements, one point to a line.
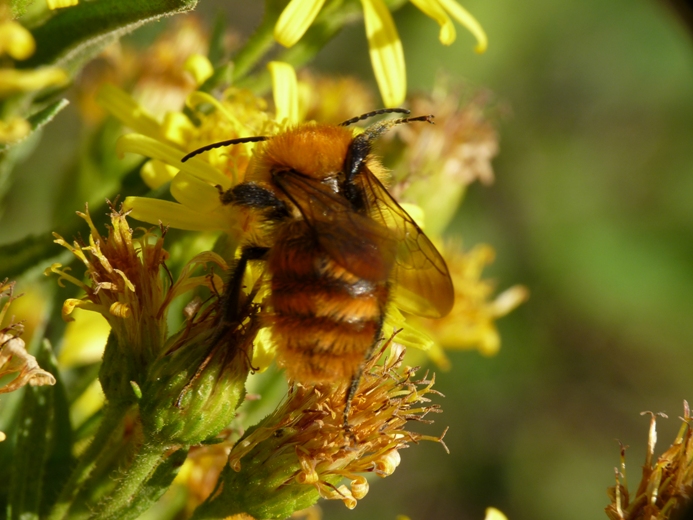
<point>303,451</point>
<point>666,486</point>
<point>13,355</point>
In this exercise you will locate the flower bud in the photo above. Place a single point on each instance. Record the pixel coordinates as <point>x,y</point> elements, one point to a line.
<point>191,392</point>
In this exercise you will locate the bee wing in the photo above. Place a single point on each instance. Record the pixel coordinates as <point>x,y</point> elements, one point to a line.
<point>359,244</point>
<point>424,286</point>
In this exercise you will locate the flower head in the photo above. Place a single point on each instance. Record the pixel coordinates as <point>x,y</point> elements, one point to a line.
<point>195,184</point>
<point>303,451</point>
<point>385,47</point>
<point>159,77</point>
<point>434,164</point>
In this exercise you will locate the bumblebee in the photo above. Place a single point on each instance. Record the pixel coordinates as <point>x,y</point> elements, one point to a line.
<point>338,247</point>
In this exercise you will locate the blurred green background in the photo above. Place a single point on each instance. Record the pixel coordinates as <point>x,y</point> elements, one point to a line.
<point>592,209</point>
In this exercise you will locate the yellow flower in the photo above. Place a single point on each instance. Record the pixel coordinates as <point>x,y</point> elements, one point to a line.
<point>385,47</point>
<point>194,183</point>
<point>17,43</point>
<point>471,323</point>
<point>15,40</point>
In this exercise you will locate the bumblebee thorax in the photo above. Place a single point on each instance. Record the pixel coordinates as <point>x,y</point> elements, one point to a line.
<point>314,150</point>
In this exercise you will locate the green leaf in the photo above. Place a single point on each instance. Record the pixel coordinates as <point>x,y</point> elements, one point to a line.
<point>60,460</point>
<point>73,36</point>
<point>38,121</point>
<point>34,438</point>
<point>45,116</point>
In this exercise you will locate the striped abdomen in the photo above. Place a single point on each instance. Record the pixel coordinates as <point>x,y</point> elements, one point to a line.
<point>325,320</point>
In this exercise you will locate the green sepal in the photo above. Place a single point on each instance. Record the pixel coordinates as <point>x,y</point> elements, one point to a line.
<point>73,36</point>
<point>192,393</point>
<point>116,373</point>
<point>264,487</point>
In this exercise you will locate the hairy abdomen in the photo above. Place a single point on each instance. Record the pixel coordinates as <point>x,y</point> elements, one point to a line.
<point>324,320</point>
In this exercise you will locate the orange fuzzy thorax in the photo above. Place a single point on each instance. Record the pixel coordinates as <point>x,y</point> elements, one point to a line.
<point>315,150</point>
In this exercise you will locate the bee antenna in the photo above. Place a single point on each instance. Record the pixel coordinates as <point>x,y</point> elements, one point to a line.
<point>229,142</point>
<point>368,115</point>
<point>361,144</point>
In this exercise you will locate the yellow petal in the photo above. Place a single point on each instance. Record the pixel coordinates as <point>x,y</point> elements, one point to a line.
<point>387,56</point>
<point>200,67</point>
<point>59,4</point>
<point>285,92</point>
<point>16,41</point>
<point>143,145</point>
<point>433,9</point>
<point>129,111</point>
<point>460,14</point>
<point>264,350</point>
<point>295,20</point>
<point>178,128</point>
<point>195,193</point>
<point>173,214</point>
<point>410,334</point>
<point>14,129</point>
<point>12,80</point>
<point>156,173</point>
<point>84,340</point>
<point>494,514</point>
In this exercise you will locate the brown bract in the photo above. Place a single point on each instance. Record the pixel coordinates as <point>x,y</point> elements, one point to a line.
<point>666,486</point>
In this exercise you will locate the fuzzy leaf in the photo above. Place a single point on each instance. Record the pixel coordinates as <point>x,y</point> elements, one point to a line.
<point>73,36</point>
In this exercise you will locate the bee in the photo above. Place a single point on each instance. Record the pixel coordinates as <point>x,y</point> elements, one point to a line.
<point>338,247</point>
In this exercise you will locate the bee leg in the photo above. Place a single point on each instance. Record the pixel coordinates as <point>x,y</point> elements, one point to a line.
<point>231,299</point>
<point>251,195</point>
<point>351,393</point>
<point>230,312</point>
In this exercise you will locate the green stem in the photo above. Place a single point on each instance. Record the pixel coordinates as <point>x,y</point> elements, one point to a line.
<point>259,43</point>
<point>100,444</point>
<point>143,466</point>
